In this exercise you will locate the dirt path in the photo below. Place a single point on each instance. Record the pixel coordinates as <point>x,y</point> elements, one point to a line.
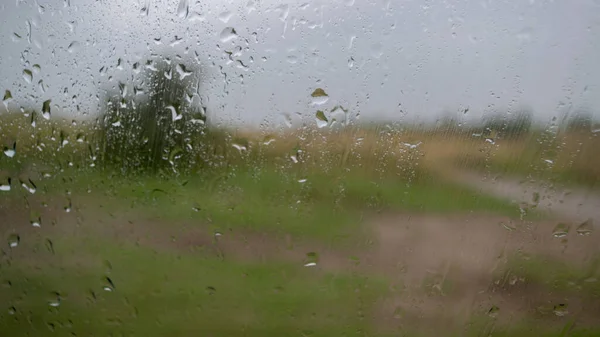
<point>575,204</point>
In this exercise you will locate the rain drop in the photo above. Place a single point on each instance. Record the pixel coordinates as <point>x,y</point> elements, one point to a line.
<point>174,115</point>
<point>108,285</point>
<point>46,109</point>
<point>27,75</point>
<point>225,16</point>
<point>10,152</point>
<point>31,189</point>
<point>73,47</point>
<point>586,228</point>
<point>54,300</point>
<point>311,259</point>
<point>182,71</point>
<point>7,98</point>
<point>13,240</point>
<point>228,34</point>
<point>183,9</point>
<point>322,120</point>
<point>561,230</point>
<point>5,187</point>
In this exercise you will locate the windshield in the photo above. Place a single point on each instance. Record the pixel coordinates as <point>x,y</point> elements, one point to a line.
<point>300,168</point>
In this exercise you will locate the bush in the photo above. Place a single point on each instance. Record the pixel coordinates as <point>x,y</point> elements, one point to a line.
<point>160,132</point>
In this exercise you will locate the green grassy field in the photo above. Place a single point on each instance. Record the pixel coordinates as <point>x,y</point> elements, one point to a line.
<point>140,254</point>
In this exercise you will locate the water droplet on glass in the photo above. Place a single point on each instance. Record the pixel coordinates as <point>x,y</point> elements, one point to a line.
<point>493,312</point>
<point>46,109</point>
<point>251,6</point>
<point>561,230</point>
<point>319,97</point>
<point>560,310</point>
<point>5,187</point>
<point>10,151</point>
<point>225,16</point>
<point>54,300</point>
<point>50,246</point>
<point>509,225</point>
<point>73,47</point>
<point>228,34</point>
<point>322,120</point>
<point>174,115</point>
<point>7,98</point>
<point>183,9</point>
<point>31,188</point>
<point>302,181</point>
<point>144,11</point>
<point>36,223</point>
<point>586,228</point>
<point>108,285</point>
<point>13,240</point>
<point>311,259</point>
<point>240,148</point>
<point>182,71</point>
<point>12,310</point>
<point>268,140</point>
<point>27,75</point>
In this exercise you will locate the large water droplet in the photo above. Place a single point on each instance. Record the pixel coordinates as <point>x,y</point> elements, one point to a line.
<point>319,97</point>
<point>5,187</point>
<point>240,148</point>
<point>322,120</point>
<point>561,230</point>
<point>311,259</point>
<point>73,47</point>
<point>183,9</point>
<point>182,71</point>
<point>13,240</point>
<point>27,75</point>
<point>225,16</point>
<point>10,151</point>
<point>46,109</point>
<point>36,222</point>
<point>7,98</point>
<point>54,300</point>
<point>174,115</point>
<point>228,34</point>
<point>586,228</point>
<point>561,310</point>
<point>30,186</point>
<point>108,285</point>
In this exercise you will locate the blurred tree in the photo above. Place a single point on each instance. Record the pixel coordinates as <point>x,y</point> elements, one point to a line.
<point>510,126</point>
<point>580,120</point>
<point>162,129</point>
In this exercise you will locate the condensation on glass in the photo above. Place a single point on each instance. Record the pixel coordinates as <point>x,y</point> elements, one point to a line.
<point>302,168</point>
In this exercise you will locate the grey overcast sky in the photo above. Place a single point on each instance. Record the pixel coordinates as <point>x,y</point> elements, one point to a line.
<point>383,59</point>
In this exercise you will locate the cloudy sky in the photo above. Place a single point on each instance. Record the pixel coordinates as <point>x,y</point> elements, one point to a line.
<point>262,59</point>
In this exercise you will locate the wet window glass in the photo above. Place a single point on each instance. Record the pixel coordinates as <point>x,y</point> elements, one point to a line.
<point>299,168</point>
